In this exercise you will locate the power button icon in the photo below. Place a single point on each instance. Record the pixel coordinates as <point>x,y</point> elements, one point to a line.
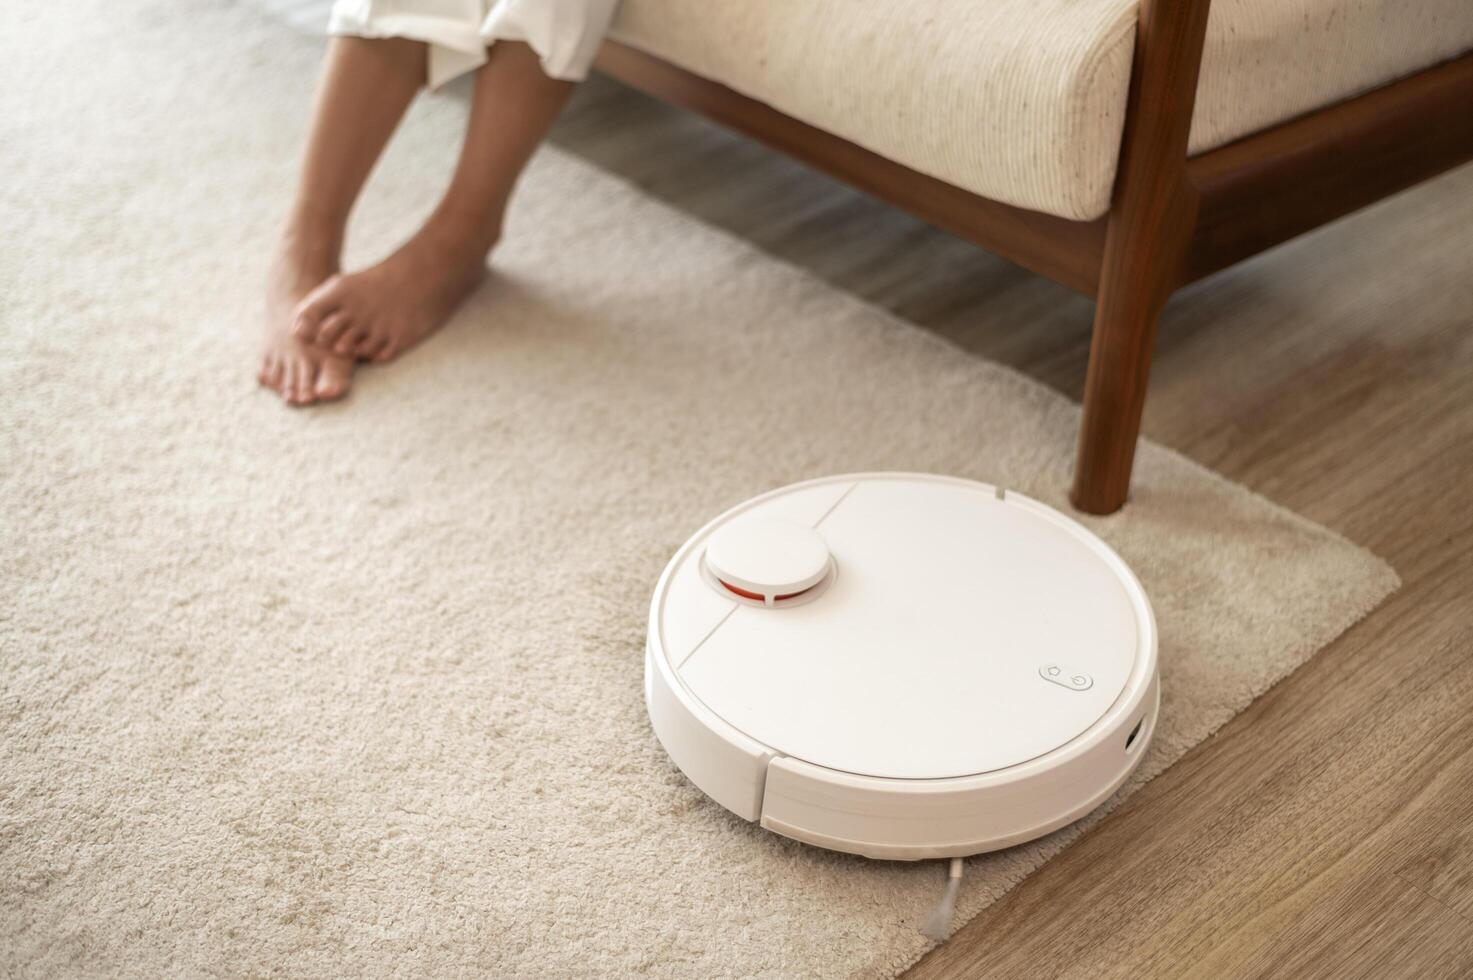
<point>1074,680</point>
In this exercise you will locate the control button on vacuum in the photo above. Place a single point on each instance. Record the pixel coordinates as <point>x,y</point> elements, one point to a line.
<point>1073,680</point>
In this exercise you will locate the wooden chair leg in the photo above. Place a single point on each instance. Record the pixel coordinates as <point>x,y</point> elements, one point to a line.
<point>1133,288</point>
<point>1152,216</point>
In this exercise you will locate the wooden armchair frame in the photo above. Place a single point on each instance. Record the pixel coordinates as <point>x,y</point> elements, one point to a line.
<point>1173,219</point>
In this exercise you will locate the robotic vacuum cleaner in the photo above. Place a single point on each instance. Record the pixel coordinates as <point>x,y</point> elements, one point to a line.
<point>902,666</point>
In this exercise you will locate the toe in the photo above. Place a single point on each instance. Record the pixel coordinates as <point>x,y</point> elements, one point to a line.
<point>265,368</point>
<point>306,387</point>
<point>332,328</point>
<point>315,307</point>
<point>352,339</point>
<point>274,372</point>
<point>333,376</point>
<point>371,348</point>
<point>388,352</point>
<point>291,382</point>
<point>287,378</point>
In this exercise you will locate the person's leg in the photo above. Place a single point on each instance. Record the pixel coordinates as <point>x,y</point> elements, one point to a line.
<point>385,309</point>
<point>366,87</point>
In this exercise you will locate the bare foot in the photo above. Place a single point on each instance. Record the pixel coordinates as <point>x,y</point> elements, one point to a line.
<point>303,374</point>
<point>384,310</point>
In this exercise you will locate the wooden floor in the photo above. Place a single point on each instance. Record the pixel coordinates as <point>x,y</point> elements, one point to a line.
<point>1328,830</point>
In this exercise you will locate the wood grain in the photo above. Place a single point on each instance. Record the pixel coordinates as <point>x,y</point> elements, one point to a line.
<point>1323,832</point>
<point>1269,187</point>
<point>1152,214</point>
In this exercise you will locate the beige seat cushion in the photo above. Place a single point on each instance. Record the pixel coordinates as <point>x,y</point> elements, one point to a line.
<point>1023,101</point>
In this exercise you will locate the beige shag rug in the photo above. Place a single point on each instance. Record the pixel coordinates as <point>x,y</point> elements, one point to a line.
<point>356,691</point>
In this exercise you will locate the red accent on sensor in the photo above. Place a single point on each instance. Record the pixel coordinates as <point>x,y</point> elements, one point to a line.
<point>759,597</point>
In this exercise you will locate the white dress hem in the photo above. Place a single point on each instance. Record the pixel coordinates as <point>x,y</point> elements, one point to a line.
<point>565,34</point>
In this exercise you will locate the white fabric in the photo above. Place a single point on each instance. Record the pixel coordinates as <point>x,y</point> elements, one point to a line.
<point>1023,101</point>
<point>564,33</point>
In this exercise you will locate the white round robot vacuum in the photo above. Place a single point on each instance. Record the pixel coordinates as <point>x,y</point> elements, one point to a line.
<point>902,666</point>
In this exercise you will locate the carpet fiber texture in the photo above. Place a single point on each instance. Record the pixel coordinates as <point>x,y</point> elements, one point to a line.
<point>356,691</point>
